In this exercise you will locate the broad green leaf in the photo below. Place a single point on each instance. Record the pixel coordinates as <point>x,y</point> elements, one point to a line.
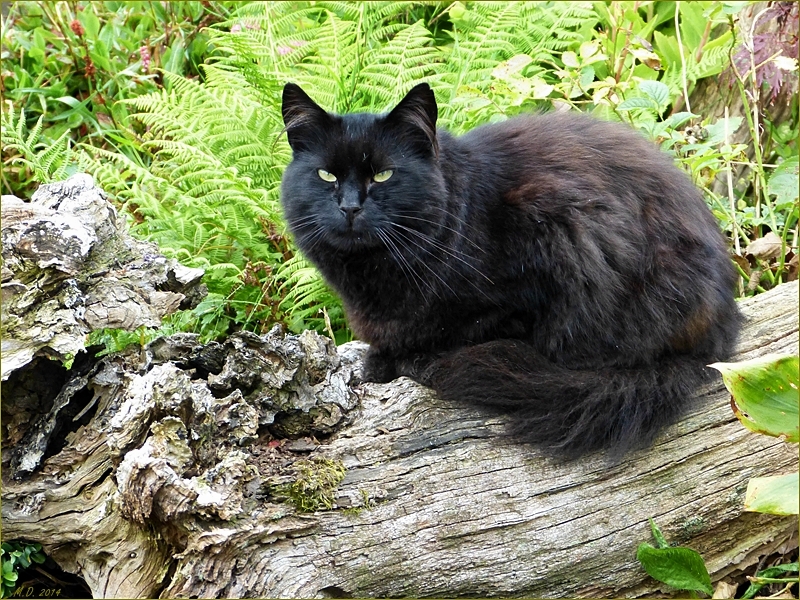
<point>681,568</point>
<point>693,24</point>
<point>587,76</point>
<point>667,46</point>
<point>765,394</point>
<point>90,22</point>
<point>10,576</point>
<point>100,55</point>
<point>174,57</point>
<point>676,120</point>
<point>656,90</point>
<point>774,495</point>
<point>734,7</point>
<point>588,49</point>
<point>570,59</point>
<point>716,131</point>
<point>784,183</point>
<point>632,103</point>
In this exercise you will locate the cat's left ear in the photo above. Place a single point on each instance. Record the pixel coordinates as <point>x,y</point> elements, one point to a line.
<point>418,112</point>
<point>303,118</point>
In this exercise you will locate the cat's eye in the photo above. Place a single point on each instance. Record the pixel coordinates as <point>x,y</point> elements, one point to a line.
<point>382,176</point>
<point>325,176</point>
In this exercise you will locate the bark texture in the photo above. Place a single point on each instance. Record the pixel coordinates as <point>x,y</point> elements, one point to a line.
<point>177,470</point>
<point>69,267</point>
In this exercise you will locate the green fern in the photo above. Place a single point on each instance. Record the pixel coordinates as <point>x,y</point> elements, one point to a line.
<point>216,154</point>
<point>50,160</point>
<point>390,68</point>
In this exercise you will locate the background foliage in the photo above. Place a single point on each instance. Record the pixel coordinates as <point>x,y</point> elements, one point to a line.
<point>174,108</point>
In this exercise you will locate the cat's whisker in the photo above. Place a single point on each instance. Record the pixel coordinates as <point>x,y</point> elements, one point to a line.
<point>416,244</point>
<point>441,226</point>
<point>314,238</point>
<point>304,221</point>
<point>399,238</point>
<point>459,256</point>
<point>403,263</point>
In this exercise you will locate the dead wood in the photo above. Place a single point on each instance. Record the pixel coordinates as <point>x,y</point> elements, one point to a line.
<point>176,470</point>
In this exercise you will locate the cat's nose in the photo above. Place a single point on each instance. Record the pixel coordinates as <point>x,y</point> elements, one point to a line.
<point>350,212</point>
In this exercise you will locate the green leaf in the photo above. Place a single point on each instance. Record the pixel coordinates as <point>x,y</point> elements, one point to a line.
<point>676,120</point>
<point>716,131</point>
<point>765,394</point>
<point>90,22</point>
<point>174,57</point>
<point>784,183</point>
<point>100,56</point>
<point>570,59</point>
<point>667,47</point>
<point>633,103</point>
<point>587,76</point>
<point>661,541</point>
<point>774,495</point>
<point>692,24</point>
<point>656,90</point>
<point>10,576</point>
<point>681,568</point>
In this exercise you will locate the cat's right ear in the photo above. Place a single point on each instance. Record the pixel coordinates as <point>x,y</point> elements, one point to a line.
<point>304,120</point>
<point>417,112</point>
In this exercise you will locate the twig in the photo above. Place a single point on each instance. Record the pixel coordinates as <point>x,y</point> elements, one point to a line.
<point>683,58</point>
<point>729,176</point>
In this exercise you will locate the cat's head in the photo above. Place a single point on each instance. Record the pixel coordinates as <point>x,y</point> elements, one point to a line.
<point>356,180</point>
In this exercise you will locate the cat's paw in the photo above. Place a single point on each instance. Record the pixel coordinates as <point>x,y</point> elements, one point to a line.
<point>378,367</point>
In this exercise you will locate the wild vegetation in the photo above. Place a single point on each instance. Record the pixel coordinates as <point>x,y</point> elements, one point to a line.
<point>174,108</point>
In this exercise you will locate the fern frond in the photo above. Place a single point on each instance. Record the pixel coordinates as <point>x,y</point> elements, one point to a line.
<point>392,68</point>
<point>49,160</point>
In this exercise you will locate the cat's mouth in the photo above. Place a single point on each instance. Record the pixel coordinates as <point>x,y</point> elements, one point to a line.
<point>352,235</point>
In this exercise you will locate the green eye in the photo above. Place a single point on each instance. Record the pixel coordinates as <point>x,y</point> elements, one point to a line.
<point>382,176</point>
<point>325,176</point>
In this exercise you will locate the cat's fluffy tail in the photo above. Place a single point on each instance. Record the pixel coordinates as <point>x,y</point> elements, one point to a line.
<point>569,411</point>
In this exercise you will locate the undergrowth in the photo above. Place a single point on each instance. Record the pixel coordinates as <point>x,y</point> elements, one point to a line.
<point>175,112</point>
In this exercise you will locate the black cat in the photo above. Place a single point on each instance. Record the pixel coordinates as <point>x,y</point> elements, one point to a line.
<point>555,266</point>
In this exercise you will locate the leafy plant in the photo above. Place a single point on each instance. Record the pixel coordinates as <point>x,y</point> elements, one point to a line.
<point>17,556</point>
<point>68,63</point>
<point>769,576</point>
<point>678,567</point>
<point>765,398</point>
<point>196,162</point>
<point>49,160</point>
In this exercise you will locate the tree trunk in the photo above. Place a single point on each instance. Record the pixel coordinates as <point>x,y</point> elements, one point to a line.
<point>177,470</point>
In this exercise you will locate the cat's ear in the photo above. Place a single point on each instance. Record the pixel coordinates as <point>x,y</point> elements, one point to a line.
<point>417,112</point>
<point>303,118</point>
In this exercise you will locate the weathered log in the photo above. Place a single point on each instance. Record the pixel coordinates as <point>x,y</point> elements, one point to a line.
<point>70,268</point>
<point>175,476</point>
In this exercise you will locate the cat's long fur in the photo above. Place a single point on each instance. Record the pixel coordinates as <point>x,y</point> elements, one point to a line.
<point>558,267</point>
